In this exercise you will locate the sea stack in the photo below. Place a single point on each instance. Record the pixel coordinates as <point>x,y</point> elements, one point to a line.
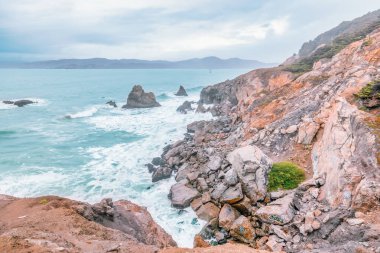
<point>181,92</point>
<point>19,103</point>
<point>138,98</point>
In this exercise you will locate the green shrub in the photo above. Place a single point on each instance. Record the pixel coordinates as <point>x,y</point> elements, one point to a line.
<point>285,175</point>
<point>372,89</point>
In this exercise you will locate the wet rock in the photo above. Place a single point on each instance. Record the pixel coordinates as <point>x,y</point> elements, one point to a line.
<point>199,242</point>
<point>157,161</point>
<point>181,91</point>
<point>19,103</point>
<point>242,230</point>
<point>112,103</point>
<point>185,107</point>
<point>201,109</point>
<point>138,98</point>
<point>182,195</point>
<point>227,216</point>
<point>208,211</point>
<point>278,212</point>
<point>161,173</point>
<point>232,195</point>
<point>252,167</point>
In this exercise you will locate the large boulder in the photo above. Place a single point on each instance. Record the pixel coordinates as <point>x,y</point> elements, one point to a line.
<point>252,167</point>
<point>208,211</point>
<point>161,173</point>
<point>181,91</point>
<point>181,195</point>
<point>138,98</point>
<point>243,230</point>
<point>227,216</point>
<point>232,195</point>
<point>278,212</point>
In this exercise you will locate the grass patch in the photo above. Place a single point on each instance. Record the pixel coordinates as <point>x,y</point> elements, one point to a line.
<point>44,201</point>
<point>285,176</point>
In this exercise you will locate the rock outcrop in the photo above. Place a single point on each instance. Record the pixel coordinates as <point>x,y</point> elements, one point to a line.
<point>19,103</point>
<point>138,98</point>
<point>112,103</point>
<point>185,107</point>
<point>181,92</point>
<point>320,119</point>
<point>54,224</point>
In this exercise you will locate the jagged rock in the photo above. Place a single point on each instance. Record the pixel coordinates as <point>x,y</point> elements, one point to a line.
<point>157,161</point>
<point>242,230</point>
<point>206,197</point>
<point>278,212</point>
<point>214,163</point>
<point>185,107</point>
<point>196,126</point>
<point>199,242</point>
<point>232,195</point>
<point>112,103</point>
<point>208,211</point>
<point>274,245</point>
<point>138,98</point>
<point>182,172</point>
<point>281,233</point>
<point>231,177</point>
<point>182,195</point>
<point>218,191</point>
<point>201,109</point>
<point>244,206</point>
<point>161,173</point>
<point>291,129</point>
<point>227,216</point>
<point>306,132</point>
<point>181,91</point>
<point>252,167</point>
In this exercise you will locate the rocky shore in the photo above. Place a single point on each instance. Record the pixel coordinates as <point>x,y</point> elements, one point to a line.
<point>325,120</point>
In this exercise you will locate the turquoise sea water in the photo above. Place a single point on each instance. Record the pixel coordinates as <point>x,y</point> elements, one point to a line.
<point>101,151</point>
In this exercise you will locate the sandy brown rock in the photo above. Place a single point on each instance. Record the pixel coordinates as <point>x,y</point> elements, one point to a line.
<point>53,224</point>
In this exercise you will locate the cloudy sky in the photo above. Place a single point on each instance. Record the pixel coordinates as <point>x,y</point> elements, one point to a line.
<point>267,30</point>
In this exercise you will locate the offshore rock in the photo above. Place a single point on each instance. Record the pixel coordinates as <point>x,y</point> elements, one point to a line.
<point>138,98</point>
<point>181,91</point>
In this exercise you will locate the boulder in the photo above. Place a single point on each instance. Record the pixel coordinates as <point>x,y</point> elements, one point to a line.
<point>185,107</point>
<point>278,212</point>
<point>227,216</point>
<point>208,211</point>
<point>111,103</point>
<point>243,230</point>
<point>161,173</point>
<point>138,98</point>
<point>181,92</point>
<point>306,132</point>
<point>214,164</point>
<point>232,195</point>
<point>201,109</point>
<point>252,167</point>
<point>231,177</point>
<point>182,195</point>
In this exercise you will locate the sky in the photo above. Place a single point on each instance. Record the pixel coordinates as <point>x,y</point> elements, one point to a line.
<point>265,30</point>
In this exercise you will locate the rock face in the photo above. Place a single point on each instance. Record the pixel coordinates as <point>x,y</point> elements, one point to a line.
<point>252,167</point>
<point>181,91</point>
<point>71,226</point>
<point>138,98</point>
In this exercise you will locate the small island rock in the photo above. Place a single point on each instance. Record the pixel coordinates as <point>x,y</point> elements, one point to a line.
<point>138,98</point>
<point>181,92</point>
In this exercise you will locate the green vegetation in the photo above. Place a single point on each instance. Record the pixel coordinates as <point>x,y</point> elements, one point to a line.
<point>285,175</point>
<point>328,51</point>
<point>44,201</point>
<point>372,89</point>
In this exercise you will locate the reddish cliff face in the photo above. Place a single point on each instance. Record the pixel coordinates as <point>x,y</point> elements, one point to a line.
<point>316,119</point>
<point>53,224</point>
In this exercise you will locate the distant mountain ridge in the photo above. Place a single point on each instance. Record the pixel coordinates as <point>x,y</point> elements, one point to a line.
<point>103,63</point>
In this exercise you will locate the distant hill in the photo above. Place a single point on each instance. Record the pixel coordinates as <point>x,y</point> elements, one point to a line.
<point>102,63</point>
<point>356,27</point>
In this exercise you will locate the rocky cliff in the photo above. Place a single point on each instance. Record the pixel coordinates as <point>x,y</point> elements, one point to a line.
<point>316,119</point>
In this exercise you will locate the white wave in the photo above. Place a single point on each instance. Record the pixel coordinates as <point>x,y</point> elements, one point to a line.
<point>83,114</point>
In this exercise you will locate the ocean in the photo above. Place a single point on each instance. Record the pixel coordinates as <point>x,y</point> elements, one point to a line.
<point>99,151</point>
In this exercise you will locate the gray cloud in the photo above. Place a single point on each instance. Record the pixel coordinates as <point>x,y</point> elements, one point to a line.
<point>269,30</point>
